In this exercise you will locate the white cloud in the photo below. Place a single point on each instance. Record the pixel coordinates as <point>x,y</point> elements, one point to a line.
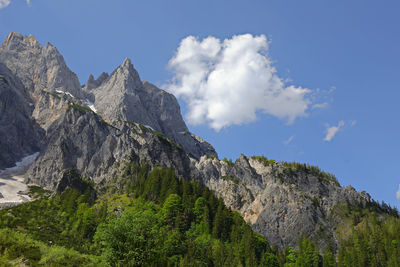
<point>398,193</point>
<point>289,140</point>
<point>4,3</point>
<point>331,131</point>
<point>227,82</point>
<point>320,105</point>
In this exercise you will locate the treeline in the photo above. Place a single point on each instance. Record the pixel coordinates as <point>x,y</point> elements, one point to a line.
<point>152,218</point>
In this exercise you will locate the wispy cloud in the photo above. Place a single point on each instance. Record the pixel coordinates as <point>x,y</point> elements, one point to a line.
<point>398,193</point>
<point>331,131</point>
<point>353,123</point>
<point>227,82</point>
<point>320,105</point>
<point>4,3</point>
<point>289,140</point>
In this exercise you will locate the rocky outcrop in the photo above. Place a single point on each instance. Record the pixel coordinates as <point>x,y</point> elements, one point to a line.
<point>82,140</point>
<point>278,201</point>
<point>38,67</point>
<point>123,96</point>
<point>19,134</point>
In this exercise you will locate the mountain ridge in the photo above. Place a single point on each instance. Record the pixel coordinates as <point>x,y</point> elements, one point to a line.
<point>131,120</point>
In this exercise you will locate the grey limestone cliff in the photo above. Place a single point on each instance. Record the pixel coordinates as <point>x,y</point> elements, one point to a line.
<point>38,67</point>
<point>123,96</point>
<point>82,140</point>
<point>279,201</point>
<point>20,134</point>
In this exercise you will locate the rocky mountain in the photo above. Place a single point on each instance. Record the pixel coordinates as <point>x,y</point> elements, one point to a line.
<point>20,134</point>
<point>123,96</point>
<point>116,118</point>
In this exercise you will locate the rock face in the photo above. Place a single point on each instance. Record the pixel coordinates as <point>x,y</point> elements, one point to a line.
<point>123,96</point>
<point>278,201</point>
<point>38,67</point>
<point>116,118</point>
<point>82,140</point>
<point>20,134</point>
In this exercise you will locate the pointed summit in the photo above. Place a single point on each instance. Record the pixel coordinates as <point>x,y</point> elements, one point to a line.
<point>91,78</point>
<point>127,67</point>
<point>27,58</point>
<point>14,36</point>
<point>15,39</point>
<point>127,62</point>
<point>126,75</point>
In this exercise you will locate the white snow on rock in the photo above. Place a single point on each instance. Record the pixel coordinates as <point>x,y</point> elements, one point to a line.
<point>91,106</point>
<point>66,93</point>
<point>12,186</point>
<point>147,126</point>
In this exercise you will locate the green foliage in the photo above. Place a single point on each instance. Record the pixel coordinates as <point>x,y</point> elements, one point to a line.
<point>133,239</point>
<point>269,260</point>
<point>153,218</point>
<point>80,108</point>
<point>293,167</point>
<point>372,243</point>
<point>36,192</point>
<point>52,94</point>
<point>307,255</point>
<point>213,156</point>
<point>15,246</point>
<point>145,217</point>
<point>264,160</point>
<point>229,162</point>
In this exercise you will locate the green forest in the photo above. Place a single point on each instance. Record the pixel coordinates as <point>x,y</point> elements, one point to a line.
<point>150,217</point>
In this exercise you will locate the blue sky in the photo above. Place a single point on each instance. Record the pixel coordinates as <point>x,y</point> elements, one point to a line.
<point>345,52</point>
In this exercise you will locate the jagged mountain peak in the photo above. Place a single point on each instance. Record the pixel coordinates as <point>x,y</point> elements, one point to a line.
<point>38,67</point>
<point>123,96</point>
<point>93,83</point>
<point>17,41</point>
<point>127,76</point>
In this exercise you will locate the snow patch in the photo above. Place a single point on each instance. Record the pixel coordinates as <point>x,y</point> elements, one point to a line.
<point>91,106</point>
<point>147,126</point>
<point>12,186</point>
<point>65,93</point>
<point>21,165</point>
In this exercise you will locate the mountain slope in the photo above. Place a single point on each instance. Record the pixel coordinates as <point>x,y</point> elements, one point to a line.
<point>123,96</point>
<point>134,121</point>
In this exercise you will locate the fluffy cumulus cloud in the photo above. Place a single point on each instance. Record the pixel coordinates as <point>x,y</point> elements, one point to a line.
<point>331,131</point>
<point>228,82</point>
<point>4,3</point>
